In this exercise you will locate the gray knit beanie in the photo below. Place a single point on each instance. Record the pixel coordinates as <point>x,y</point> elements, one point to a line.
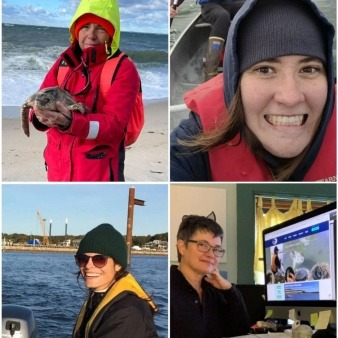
<point>105,240</point>
<point>277,28</point>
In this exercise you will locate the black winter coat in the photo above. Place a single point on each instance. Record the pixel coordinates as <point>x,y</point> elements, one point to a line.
<point>221,314</point>
<point>126,316</point>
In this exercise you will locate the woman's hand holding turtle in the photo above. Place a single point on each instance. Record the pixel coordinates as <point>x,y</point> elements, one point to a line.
<point>59,119</point>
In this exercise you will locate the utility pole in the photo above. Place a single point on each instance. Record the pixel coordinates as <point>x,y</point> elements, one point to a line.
<point>66,230</point>
<point>130,220</point>
<point>50,231</point>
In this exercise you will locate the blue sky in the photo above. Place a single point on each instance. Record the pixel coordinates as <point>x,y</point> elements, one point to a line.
<point>148,16</point>
<point>84,205</point>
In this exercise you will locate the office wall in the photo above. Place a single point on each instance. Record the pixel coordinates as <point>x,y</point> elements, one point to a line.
<point>202,199</point>
<point>246,216</point>
<point>240,220</point>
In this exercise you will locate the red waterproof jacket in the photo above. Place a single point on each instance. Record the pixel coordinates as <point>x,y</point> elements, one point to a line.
<point>238,163</point>
<point>89,149</point>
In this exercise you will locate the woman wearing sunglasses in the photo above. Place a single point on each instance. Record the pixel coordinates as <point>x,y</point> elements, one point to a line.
<point>202,303</point>
<point>89,147</point>
<point>117,306</point>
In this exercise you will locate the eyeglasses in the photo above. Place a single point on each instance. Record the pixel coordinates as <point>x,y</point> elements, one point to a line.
<point>98,260</point>
<point>205,247</point>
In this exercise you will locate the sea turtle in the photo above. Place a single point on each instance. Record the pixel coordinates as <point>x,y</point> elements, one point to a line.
<point>45,99</point>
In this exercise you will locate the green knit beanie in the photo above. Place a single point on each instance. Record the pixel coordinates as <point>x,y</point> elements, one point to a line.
<point>105,240</point>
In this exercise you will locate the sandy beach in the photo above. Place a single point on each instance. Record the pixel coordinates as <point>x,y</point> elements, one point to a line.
<point>146,160</point>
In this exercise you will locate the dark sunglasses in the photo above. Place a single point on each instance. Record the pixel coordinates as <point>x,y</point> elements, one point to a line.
<point>98,260</point>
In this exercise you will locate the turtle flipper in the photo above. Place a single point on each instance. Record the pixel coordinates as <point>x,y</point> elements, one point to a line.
<point>25,119</point>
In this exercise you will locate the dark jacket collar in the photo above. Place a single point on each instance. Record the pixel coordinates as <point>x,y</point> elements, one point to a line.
<point>177,280</point>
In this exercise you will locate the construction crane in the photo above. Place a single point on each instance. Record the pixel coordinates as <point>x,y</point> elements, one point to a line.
<point>42,222</point>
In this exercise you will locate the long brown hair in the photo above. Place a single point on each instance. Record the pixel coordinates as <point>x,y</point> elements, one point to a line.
<point>229,127</point>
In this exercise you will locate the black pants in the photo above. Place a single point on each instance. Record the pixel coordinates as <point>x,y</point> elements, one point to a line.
<point>219,15</point>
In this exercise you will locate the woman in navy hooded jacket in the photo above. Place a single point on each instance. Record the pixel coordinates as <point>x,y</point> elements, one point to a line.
<point>271,115</point>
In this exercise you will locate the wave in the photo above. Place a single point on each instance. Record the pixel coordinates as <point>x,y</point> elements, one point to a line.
<point>35,59</point>
<point>148,56</point>
<point>27,63</point>
<point>32,58</point>
<point>17,85</point>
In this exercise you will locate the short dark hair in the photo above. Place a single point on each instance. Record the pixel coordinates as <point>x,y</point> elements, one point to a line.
<point>192,223</point>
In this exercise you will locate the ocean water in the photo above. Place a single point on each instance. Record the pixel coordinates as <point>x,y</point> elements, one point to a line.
<point>29,51</point>
<point>46,283</point>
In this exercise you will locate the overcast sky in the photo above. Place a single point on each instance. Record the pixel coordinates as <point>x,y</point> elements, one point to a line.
<point>148,16</point>
<point>84,206</point>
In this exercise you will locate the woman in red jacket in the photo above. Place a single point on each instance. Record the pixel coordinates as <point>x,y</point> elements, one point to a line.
<point>89,147</point>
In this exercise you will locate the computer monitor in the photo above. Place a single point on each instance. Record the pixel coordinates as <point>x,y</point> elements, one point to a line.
<point>299,263</point>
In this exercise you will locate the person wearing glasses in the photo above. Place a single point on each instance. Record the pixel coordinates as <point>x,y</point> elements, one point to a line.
<point>117,306</point>
<point>89,147</point>
<point>202,303</point>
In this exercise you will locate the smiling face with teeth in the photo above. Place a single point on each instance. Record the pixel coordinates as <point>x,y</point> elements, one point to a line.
<point>99,279</point>
<point>283,100</point>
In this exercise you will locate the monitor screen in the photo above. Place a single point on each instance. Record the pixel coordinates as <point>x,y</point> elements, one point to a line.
<point>299,259</point>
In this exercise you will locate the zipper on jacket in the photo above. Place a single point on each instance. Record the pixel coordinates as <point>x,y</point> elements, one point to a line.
<point>93,56</point>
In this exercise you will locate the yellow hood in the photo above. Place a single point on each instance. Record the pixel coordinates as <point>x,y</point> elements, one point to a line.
<point>106,9</point>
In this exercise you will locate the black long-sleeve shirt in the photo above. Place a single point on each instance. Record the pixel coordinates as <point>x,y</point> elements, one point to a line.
<point>222,313</point>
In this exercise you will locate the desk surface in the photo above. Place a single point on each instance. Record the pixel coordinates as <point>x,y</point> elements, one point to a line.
<point>265,335</point>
